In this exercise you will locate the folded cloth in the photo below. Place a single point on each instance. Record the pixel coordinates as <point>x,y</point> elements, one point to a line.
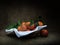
<point>24,33</point>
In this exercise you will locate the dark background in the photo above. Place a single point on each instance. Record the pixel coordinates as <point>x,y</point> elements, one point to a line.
<point>11,11</point>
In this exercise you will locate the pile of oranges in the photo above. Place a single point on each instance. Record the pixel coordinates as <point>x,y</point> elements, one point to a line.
<point>25,26</point>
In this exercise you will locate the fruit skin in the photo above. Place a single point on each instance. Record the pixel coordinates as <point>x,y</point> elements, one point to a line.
<point>29,26</point>
<point>22,27</point>
<point>28,23</point>
<point>40,23</point>
<point>19,28</point>
<point>32,27</point>
<point>44,32</point>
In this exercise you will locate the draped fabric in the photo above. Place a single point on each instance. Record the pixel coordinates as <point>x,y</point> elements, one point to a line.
<point>23,33</point>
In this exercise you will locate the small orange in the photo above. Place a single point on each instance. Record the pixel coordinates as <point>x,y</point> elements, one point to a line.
<point>40,23</point>
<point>44,32</point>
<point>19,28</point>
<point>27,23</point>
<point>24,28</point>
<point>23,23</point>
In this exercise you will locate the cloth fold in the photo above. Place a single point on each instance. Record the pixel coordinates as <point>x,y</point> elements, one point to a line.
<point>24,33</point>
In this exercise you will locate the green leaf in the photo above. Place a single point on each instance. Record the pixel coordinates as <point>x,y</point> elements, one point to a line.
<point>10,26</point>
<point>19,22</point>
<point>14,25</point>
<point>32,22</point>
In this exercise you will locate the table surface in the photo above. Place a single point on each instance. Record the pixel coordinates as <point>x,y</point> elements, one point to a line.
<point>53,38</point>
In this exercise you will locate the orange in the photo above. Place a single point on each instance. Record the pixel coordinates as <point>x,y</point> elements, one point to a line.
<point>40,23</point>
<point>27,23</point>
<point>19,28</point>
<point>44,32</point>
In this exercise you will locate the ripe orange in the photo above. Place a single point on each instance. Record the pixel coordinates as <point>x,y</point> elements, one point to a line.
<point>40,23</point>
<point>44,32</point>
<point>19,28</point>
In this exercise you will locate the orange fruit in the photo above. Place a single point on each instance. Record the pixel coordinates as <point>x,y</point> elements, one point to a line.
<point>27,23</point>
<point>24,27</point>
<point>44,32</point>
<point>23,23</point>
<point>32,27</point>
<point>19,28</point>
<point>40,23</point>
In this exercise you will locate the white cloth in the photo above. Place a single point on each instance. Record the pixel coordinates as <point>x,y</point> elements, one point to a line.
<point>23,33</point>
